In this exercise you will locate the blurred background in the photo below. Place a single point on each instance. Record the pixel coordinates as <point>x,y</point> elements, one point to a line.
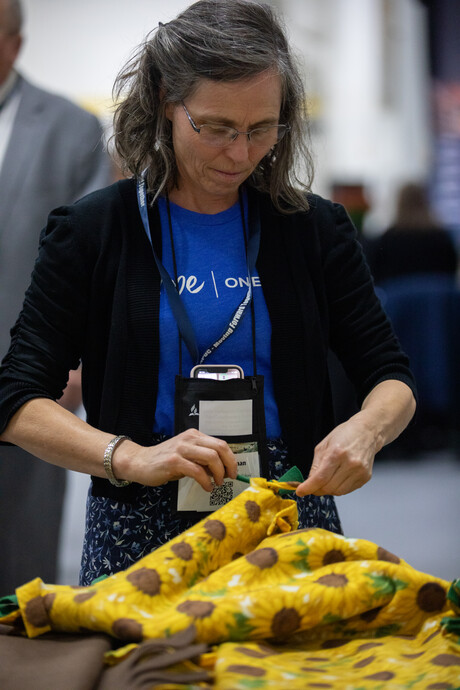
<point>383,84</point>
<point>383,78</point>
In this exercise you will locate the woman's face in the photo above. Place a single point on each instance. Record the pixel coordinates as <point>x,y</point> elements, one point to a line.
<point>208,177</point>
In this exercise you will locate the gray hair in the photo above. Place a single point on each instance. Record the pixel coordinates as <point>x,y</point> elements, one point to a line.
<point>14,16</point>
<point>221,40</point>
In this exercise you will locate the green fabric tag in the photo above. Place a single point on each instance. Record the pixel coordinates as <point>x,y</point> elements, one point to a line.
<point>292,475</point>
<point>8,604</point>
<point>452,623</point>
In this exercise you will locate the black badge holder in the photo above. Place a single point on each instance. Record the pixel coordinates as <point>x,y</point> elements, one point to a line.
<point>232,410</point>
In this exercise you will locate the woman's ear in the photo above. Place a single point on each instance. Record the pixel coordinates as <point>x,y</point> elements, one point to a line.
<point>169,109</point>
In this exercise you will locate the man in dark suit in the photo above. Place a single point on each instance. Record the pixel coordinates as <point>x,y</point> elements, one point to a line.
<point>51,153</point>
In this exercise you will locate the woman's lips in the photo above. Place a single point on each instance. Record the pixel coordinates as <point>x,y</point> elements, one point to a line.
<point>229,175</point>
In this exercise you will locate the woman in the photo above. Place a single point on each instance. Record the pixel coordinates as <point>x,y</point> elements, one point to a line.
<point>210,122</point>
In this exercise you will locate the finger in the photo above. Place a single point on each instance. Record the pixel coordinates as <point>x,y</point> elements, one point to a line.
<point>174,466</point>
<point>347,478</point>
<point>337,486</point>
<point>354,472</point>
<point>310,487</point>
<point>219,453</point>
<point>354,480</point>
<point>320,475</point>
<point>226,456</point>
<point>192,445</point>
<point>186,468</point>
<point>204,451</point>
<point>210,461</point>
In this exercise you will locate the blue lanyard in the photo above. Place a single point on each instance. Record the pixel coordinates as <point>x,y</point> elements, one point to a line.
<point>175,302</point>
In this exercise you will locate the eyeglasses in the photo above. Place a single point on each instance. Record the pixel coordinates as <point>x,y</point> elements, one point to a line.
<point>220,136</point>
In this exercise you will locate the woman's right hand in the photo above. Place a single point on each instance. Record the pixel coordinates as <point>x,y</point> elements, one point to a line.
<point>190,454</point>
<point>52,433</point>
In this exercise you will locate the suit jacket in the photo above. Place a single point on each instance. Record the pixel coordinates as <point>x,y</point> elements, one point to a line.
<point>54,156</point>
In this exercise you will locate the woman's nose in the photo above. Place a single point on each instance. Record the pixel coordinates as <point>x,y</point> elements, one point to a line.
<point>238,150</point>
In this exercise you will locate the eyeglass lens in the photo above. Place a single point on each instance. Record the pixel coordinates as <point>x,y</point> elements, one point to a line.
<point>223,136</point>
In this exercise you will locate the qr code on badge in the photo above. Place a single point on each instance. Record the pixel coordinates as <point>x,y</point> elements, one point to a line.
<point>221,494</point>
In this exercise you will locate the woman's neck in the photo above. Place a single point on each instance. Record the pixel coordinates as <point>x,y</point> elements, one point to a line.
<point>207,205</point>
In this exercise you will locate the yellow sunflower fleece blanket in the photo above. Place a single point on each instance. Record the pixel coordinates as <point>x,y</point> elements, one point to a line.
<point>276,606</point>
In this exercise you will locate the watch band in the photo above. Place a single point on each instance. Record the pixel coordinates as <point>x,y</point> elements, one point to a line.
<point>108,461</point>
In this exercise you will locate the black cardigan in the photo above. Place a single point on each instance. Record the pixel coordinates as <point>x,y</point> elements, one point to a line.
<point>94,296</point>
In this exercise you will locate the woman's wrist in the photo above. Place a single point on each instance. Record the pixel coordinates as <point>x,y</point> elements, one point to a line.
<point>123,460</point>
<point>374,425</point>
<point>387,410</point>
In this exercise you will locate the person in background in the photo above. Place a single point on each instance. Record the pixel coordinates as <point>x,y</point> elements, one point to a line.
<point>353,196</point>
<point>416,242</point>
<point>51,153</point>
<point>212,227</point>
<point>414,264</point>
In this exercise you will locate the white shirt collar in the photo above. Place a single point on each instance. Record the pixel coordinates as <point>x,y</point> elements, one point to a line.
<point>8,85</point>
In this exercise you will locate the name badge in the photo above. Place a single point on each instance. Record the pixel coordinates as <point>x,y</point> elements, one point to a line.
<point>232,410</point>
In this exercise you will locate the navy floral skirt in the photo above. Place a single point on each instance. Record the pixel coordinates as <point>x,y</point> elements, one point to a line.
<point>118,534</point>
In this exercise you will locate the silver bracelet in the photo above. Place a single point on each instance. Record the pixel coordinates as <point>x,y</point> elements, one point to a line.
<point>108,461</point>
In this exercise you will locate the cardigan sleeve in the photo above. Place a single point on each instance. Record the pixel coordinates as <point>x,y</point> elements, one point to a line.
<point>360,332</point>
<point>46,341</point>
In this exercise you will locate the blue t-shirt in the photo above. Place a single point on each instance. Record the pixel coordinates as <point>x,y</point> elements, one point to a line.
<point>213,280</point>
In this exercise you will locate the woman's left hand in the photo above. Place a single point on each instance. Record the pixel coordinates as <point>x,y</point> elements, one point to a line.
<point>343,461</point>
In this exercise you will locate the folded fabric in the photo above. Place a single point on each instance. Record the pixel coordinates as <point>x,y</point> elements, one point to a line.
<point>76,662</point>
<point>122,605</point>
<point>275,606</point>
<point>52,662</point>
<point>391,662</point>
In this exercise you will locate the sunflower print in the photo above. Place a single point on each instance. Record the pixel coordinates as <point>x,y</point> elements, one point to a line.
<point>236,601</point>
<point>122,604</point>
<point>412,600</point>
<point>322,548</point>
<point>420,662</point>
<point>118,534</point>
<point>282,607</point>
